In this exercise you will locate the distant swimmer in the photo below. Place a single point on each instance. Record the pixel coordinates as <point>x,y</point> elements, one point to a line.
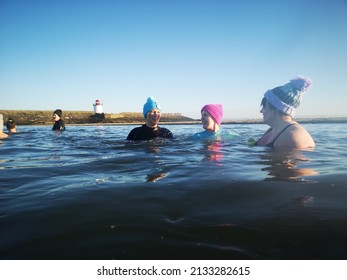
<point>58,121</point>
<point>11,125</point>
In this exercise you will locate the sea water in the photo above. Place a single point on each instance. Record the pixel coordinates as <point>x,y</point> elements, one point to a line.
<point>89,194</point>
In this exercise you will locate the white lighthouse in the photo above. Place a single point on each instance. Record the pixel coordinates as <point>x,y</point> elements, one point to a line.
<point>98,107</point>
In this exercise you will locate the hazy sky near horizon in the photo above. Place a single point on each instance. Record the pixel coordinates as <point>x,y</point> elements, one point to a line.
<point>184,53</point>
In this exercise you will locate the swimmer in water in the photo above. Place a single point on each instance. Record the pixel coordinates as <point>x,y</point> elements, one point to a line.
<point>278,108</point>
<point>211,119</point>
<point>58,121</point>
<point>11,125</point>
<point>151,129</point>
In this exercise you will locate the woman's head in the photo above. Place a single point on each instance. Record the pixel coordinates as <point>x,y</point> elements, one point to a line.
<point>11,125</point>
<point>287,98</point>
<point>151,112</point>
<point>270,113</point>
<point>211,116</point>
<point>150,105</point>
<point>57,114</point>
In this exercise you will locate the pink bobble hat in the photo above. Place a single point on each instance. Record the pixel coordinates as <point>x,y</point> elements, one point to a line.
<point>215,110</point>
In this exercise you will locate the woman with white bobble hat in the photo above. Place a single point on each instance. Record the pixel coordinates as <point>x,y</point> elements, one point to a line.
<point>278,108</point>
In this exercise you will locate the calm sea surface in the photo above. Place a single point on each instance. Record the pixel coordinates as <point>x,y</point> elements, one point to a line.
<point>87,194</point>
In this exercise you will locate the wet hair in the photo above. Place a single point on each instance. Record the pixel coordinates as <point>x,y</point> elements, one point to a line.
<point>264,103</point>
<point>10,124</point>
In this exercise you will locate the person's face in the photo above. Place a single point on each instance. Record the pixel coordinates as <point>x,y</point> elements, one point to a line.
<point>153,117</point>
<point>207,121</point>
<point>266,111</point>
<point>55,117</point>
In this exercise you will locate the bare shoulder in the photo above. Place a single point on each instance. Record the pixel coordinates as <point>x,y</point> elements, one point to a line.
<point>296,137</point>
<point>3,135</point>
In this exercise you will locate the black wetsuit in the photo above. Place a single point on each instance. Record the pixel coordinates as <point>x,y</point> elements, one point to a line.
<point>272,143</point>
<point>59,125</point>
<point>147,133</point>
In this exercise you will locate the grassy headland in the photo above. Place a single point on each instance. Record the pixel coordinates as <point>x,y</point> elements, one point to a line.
<point>42,117</point>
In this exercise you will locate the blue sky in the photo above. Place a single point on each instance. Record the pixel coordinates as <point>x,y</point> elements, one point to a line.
<point>185,53</point>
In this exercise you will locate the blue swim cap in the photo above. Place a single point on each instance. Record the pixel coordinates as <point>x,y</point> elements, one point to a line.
<point>150,105</point>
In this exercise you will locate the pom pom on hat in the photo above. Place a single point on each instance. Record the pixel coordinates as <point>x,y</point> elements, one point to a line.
<point>215,110</point>
<point>150,105</point>
<point>288,97</point>
<point>301,84</point>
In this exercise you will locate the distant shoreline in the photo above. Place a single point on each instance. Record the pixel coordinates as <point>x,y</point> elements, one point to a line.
<point>44,117</point>
<point>302,121</point>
